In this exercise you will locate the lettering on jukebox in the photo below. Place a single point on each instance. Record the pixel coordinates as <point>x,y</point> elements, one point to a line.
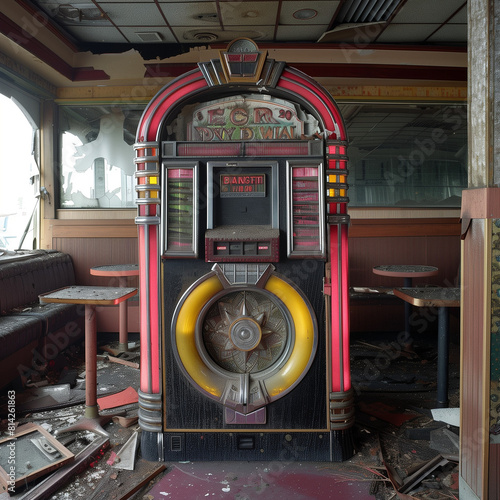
<point>242,222</point>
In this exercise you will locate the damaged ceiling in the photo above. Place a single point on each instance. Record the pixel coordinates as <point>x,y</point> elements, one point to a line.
<point>158,28</point>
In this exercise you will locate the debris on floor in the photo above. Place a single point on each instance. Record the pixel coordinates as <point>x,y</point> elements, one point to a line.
<point>404,449</point>
<point>125,397</point>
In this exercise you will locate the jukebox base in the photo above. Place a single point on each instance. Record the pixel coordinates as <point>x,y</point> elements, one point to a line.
<point>317,446</point>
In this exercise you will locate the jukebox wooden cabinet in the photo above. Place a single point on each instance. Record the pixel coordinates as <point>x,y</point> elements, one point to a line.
<point>242,219</point>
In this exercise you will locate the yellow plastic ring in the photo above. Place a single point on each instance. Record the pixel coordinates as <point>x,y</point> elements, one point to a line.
<point>278,383</point>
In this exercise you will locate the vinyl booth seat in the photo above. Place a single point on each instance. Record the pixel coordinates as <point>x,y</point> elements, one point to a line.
<point>33,334</point>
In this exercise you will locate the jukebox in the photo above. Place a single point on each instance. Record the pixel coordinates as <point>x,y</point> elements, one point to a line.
<point>242,222</point>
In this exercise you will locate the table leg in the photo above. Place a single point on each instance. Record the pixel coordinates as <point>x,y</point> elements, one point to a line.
<point>123,321</point>
<point>407,284</point>
<point>443,357</point>
<point>90,362</point>
<point>91,421</point>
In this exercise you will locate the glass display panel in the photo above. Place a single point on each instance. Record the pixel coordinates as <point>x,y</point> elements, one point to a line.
<point>179,206</point>
<point>242,194</point>
<point>96,155</point>
<point>406,155</point>
<point>305,209</point>
<point>242,185</point>
<point>243,117</point>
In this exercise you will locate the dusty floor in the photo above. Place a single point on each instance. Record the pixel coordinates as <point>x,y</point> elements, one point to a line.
<point>402,451</point>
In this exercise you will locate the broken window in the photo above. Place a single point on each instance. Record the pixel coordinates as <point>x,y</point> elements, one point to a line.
<point>97,157</point>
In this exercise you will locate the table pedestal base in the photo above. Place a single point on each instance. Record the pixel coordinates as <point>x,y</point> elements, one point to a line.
<point>88,423</point>
<point>123,347</point>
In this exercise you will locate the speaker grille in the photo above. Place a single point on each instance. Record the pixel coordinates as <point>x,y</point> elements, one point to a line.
<point>175,443</point>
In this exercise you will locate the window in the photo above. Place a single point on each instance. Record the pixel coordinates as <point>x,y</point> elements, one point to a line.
<point>406,155</point>
<point>19,178</point>
<point>97,157</point>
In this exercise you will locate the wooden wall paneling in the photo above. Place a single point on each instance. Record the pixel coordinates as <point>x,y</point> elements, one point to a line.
<point>440,251</point>
<point>445,252</point>
<point>474,382</point>
<point>404,227</point>
<point>97,243</point>
<point>434,241</point>
<point>91,252</point>
<point>375,242</point>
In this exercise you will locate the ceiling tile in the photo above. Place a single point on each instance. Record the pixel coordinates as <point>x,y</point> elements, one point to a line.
<point>456,32</point>
<point>190,14</point>
<point>406,33</point>
<point>97,34</point>
<point>249,13</point>
<point>127,14</point>
<point>325,10</point>
<point>299,33</point>
<point>76,13</point>
<point>460,17</point>
<point>427,11</point>
<point>114,1</point>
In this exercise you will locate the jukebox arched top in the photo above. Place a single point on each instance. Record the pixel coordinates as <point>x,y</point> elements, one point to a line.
<point>216,78</point>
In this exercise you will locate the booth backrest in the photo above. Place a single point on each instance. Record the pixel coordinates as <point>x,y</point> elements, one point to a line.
<point>24,277</point>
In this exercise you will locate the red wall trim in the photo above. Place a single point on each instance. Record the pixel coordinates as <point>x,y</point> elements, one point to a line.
<point>316,70</point>
<point>87,74</point>
<point>29,42</point>
<point>449,73</point>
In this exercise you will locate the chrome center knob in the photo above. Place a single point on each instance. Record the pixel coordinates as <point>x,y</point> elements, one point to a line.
<point>245,334</point>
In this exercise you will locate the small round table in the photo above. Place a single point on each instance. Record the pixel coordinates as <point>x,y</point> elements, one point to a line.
<point>407,272</point>
<point>91,297</point>
<point>122,272</point>
<point>442,298</point>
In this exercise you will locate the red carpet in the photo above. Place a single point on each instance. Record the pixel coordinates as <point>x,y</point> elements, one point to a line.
<point>263,481</point>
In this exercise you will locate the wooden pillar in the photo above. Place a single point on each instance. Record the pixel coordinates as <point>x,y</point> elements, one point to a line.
<point>480,275</point>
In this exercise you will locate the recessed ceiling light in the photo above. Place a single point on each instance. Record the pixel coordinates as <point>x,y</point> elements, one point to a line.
<point>205,37</point>
<point>305,14</point>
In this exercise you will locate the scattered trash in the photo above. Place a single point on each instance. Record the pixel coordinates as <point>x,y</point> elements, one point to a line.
<point>125,421</point>
<point>126,397</point>
<point>36,398</point>
<point>450,416</point>
<point>446,442</point>
<point>35,453</point>
<point>114,359</point>
<point>125,458</point>
<point>57,480</point>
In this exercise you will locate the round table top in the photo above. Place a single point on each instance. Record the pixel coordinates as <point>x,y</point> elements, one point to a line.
<point>430,296</point>
<point>405,270</point>
<point>91,295</point>
<point>115,270</point>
